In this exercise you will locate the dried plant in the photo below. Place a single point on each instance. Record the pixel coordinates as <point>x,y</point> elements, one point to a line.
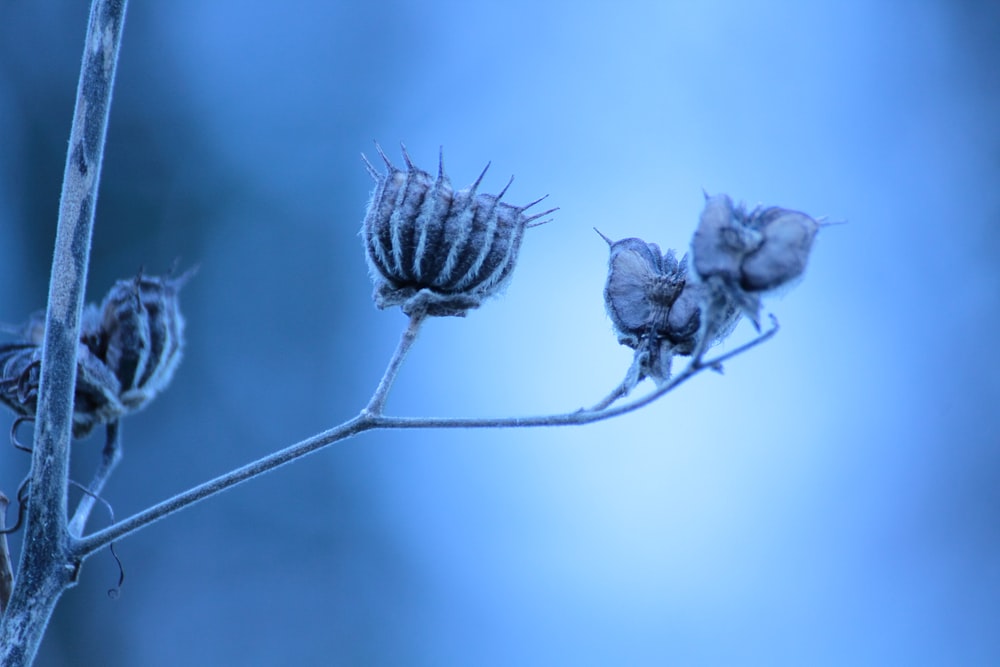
<point>431,250</point>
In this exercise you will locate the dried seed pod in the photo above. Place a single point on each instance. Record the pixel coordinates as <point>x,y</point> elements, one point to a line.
<point>19,364</point>
<point>722,240</point>
<point>128,351</point>
<point>654,308</point>
<point>742,255</point>
<point>141,335</point>
<point>436,251</point>
<point>96,397</point>
<point>781,258</point>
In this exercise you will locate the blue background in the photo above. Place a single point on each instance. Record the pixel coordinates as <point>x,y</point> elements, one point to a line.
<point>833,499</point>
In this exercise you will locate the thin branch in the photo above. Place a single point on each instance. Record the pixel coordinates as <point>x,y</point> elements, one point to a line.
<point>45,570</point>
<point>583,416</point>
<point>366,421</point>
<point>111,455</point>
<point>377,404</point>
<point>85,546</point>
<point>618,392</point>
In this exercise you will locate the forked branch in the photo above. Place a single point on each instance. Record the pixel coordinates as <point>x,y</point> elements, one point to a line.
<point>368,420</point>
<point>45,567</point>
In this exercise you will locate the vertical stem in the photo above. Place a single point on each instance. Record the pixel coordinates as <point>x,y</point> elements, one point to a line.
<point>377,404</point>
<point>46,568</point>
<point>110,456</point>
<point>6,574</point>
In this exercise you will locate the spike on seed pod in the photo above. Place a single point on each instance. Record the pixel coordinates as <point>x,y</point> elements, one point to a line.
<point>434,250</point>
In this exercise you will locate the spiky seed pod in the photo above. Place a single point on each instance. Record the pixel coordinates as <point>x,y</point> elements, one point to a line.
<point>129,348</point>
<point>436,251</point>
<point>654,308</point>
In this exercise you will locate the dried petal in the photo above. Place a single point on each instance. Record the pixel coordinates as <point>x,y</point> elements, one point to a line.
<point>781,258</point>
<point>633,269</point>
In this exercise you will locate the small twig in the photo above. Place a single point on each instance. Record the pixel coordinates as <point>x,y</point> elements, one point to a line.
<point>579,417</point>
<point>85,546</point>
<point>367,421</point>
<point>632,377</point>
<point>377,404</point>
<point>111,455</point>
<point>6,573</point>
<point>618,392</point>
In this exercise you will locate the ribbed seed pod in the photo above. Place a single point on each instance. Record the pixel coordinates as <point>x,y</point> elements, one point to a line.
<point>129,348</point>
<point>436,251</point>
<point>141,334</point>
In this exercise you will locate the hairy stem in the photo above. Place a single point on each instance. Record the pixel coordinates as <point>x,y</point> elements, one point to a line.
<point>618,392</point>
<point>46,568</point>
<point>111,455</point>
<point>377,404</point>
<point>367,421</point>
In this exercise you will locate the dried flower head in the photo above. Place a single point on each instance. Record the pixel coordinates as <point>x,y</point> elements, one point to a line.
<point>436,251</point>
<point>129,348</point>
<point>742,255</point>
<point>141,334</point>
<point>653,306</point>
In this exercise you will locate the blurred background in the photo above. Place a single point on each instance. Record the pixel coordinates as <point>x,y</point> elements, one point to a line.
<point>833,499</point>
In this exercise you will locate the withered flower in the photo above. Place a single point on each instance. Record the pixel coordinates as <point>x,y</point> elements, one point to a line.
<point>741,255</point>
<point>655,310</point>
<point>129,348</point>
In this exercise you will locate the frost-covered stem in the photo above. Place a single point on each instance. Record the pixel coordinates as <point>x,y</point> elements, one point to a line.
<point>618,392</point>
<point>47,566</point>
<point>85,546</point>
<point>366,421</point>
<point>377,404</point>
<point>111,455</point>
<point>582,416</point>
